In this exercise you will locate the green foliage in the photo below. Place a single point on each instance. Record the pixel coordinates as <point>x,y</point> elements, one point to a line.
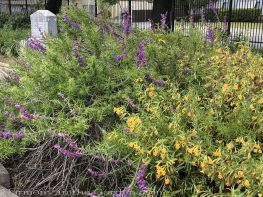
<point>14,21</point>
<point>9,39</point>
<point>199,134</point>
<point>242,15</point>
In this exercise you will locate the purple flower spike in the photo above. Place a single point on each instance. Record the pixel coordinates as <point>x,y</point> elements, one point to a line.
<point>36,45</point>
<point>7,134</point>
<point>15,76</point>
<point>140,55</point>
<point>77,54</point>
<point>210,36</point>
<point>19,135</point>
<point>192,18</point>
<point>71,23</point>
<point>67,152</point>
<point>97,174</point>
<point>225,23</point>
<point>126,23</point>
<point>164,20</point>
<point>141,182</point>
<point>156,82</point>
<point>126,192</point>
<point>4,75</point>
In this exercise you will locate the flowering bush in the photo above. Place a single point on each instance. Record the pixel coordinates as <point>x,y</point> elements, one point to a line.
<point>184,116</point>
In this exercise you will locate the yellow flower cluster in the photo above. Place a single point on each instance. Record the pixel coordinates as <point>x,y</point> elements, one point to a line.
<point>257,148</point>
<point>135,146</point>
<point>150,91</point>
<point>194,151</point>
<point>160,171</point>
<point>134,124</point>
<point>120,111</point>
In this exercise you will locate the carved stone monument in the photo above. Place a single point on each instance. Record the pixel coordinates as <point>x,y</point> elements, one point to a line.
<point>43,22</point>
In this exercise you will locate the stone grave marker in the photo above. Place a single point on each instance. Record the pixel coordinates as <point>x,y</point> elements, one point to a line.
<point>43,21</point>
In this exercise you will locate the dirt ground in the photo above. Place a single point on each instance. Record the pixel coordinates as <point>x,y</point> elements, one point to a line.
<point>6,59</point>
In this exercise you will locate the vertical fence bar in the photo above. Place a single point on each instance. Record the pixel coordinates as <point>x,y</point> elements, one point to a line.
<point>230,8</point>
<point>9,7</point>
<point>130,7</point>
<point>45,4</point>
<point>96,8</point>
<point>68,3</point>
<point>26,6</point>
<point>173,15</point>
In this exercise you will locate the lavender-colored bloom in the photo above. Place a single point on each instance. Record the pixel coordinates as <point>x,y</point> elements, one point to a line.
<point>156,82</point>
<point>141,182</point>
<point>212,6</point>
<point>126,192</point>
<point>126,23</point>
<point>192,18</point>
<point>42,33</point>
<point>67,152</point>
<point>203,20</point>
<point>10,115</point>
<point>7,134</point>
<point>35,45</point>
<point>77,54</point>
<point>97,174</point>
<point>71,23</point>
<point>210,36</point>
<point>19,135</point>
<point>152,26</point>
<point>15,76</point>
<point>140,55</point>
<point>164,20</point>
<point>120,57</point>
<point>5,75</point>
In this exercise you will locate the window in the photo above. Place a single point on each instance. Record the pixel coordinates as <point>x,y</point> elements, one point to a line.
<point>90,8</point>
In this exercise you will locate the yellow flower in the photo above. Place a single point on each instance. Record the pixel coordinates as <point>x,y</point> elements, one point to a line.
<point>167,181</point>
<point>260,101</point>
<point>163,153</point>
<point>150,91</point>
<point>184,110</point>
<point>240,174</point>
<point>235,86</point>
<point>230,146</point>
<point>186,98</point>
<point>155,152</point>
<point>220,176</point>
<point>120,111</point>
<point>224,88</point>
<point>160,171</point>
<point>240,97</point>
<point>217,153</point>
<point>134,124</point>
<point>177,145</point>
<point>202,164</point>
<point>251,74</point>
<point>245,183</point>
<point>193,151</point>
<point>257,148</point>
<point>240,140</point>
<point>251,107</point>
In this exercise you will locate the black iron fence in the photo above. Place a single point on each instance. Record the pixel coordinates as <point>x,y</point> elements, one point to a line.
<point>240,18</point>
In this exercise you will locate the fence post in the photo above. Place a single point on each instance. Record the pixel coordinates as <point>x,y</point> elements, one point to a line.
<point>45,4</point>
<point>173,15</point>
<point>9,7</point>
<point>230,8</point>
<point>96,8</point>
<point>26,6</point>
<point>68,3</point>
<point>130,7</point>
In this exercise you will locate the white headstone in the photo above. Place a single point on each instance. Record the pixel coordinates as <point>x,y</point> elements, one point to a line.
<point>43,21</point>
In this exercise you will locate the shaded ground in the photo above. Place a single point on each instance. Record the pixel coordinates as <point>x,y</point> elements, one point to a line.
<point>6,59</point>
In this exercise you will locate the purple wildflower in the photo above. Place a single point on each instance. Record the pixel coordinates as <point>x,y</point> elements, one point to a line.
<point>140,55</point>
<point>15,76</point>
<point>4,75</point>
<point>152,25</point>
<point>19,135</point>
<point>77,54</point>
<point>35,45</point>
<point>212,6</point>
<point>120,57</point>
<point>126,192</point>
<point>71,23</point>
<point>126,23</point>
<point>97,174</point>
<point>203,20</point>
<point>10,115</point>
<point>67,152</point>
<point>164,20</point>
<point>141,182</point>
<point>156,82</point>
<point>210,36</point>
<point>7,134</point>
<point>42,33</point>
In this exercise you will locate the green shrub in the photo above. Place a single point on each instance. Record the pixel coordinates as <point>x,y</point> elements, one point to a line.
<point>14,21</point>
<point>9,39</point>
<point>192,113</point>
<point>242,15</point>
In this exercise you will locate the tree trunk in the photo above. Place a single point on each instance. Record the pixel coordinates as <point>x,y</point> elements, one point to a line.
<point>54,6</point>
<point>161,7</point>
